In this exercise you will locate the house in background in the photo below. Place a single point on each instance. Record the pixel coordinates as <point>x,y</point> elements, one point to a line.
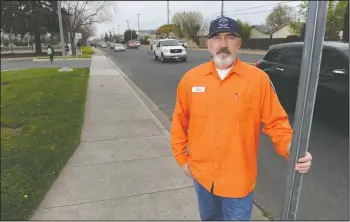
<point>262,32</point>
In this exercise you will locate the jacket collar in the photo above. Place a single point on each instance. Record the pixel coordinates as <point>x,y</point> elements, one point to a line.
<point>237,69</point>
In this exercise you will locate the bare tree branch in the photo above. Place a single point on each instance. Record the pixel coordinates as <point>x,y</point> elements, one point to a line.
<point>84,13</point>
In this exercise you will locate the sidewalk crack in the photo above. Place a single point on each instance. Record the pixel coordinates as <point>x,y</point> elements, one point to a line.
<point>117,198</point>
<point>121,161</point>
<point>125,138</point>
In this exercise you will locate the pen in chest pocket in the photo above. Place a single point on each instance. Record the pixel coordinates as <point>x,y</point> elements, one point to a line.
<point>236,97</point>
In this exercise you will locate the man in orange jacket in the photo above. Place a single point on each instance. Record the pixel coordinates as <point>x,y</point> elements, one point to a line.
<point>216,123</point>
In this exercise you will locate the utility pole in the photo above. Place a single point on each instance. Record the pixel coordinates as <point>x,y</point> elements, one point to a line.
<point>168,12</point>
<point>222,8</point>
<point>127,22</point>
<point>118,34</point>
<point>309,73</point>
<point>65,68</point>
<point>138,26</point>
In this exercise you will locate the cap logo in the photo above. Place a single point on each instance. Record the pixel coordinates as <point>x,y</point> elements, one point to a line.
<point>223,22</point>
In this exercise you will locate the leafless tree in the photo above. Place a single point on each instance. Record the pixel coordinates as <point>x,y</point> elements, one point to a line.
<point>190,23</point>
<point>205,26</point>
<point>86,31</point>
<point>279,16</point>
<point>83,14</point>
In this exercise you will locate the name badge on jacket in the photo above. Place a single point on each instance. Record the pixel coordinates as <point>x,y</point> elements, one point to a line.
<point>198,89</point>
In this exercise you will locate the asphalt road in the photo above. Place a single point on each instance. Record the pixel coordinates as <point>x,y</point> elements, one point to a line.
<point>325,189</point>
<point>25,64</point>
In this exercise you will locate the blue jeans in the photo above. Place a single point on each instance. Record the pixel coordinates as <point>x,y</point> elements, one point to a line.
<point>212,207</point>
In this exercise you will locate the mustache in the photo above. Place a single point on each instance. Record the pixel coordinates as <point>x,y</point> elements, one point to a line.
<point>223,50</point>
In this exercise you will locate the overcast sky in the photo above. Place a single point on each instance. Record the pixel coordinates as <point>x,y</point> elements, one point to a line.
<point>154,13</point>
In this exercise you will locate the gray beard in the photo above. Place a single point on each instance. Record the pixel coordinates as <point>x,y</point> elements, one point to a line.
<point>223,62</point>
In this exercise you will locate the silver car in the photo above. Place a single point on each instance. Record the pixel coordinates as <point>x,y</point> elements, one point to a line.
<point>119,47</point>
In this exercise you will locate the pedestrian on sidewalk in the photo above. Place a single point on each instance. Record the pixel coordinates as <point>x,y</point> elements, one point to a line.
<point>216,124</point>
<point>66,47</point>
<point>50,52</point>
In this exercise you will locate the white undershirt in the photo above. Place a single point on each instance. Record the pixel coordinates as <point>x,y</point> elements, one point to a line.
<point>223,72</point>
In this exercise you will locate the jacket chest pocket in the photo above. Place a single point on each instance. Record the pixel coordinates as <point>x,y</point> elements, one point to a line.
<point>243,107</point>
<point>199,104</point>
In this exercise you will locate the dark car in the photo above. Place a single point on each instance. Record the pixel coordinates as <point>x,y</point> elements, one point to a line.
<point>132,45</point>
<point>282,63</point>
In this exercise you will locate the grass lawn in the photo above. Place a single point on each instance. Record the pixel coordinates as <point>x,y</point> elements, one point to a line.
<point>87,52</point>
<point>42,112</point>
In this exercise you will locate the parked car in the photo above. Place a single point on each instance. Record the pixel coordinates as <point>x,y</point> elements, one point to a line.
<point>103,45</point>
<point>132,45</point>
<point>138,43</point>
<point>111,45</point>
<point>282,63</point>
<point>119,47</point>
<point>168,49</point>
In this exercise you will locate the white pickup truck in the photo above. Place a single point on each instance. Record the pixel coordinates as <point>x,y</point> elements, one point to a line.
<point>167,49</point>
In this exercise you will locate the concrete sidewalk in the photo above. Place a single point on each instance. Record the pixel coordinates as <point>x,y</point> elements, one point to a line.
<point>123,168</point>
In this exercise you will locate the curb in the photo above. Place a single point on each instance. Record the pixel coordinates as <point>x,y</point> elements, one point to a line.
<point>158,117</point>
<point>39,60</point>
<point>16,59</point>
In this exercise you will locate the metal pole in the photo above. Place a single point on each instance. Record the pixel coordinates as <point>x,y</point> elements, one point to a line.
<point>127,23</point>
<point>168,14</point>
<point>65,68</point>
<point>118,34</point>
<point>138,26</point>
<point>222,8</point>
<point>309,73</point>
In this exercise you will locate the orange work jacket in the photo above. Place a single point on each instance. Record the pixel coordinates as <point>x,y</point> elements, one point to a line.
<point>216,126</point>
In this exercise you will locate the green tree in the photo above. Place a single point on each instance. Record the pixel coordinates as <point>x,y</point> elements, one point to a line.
<point>335,18</point>
<point>19,18</point>
<point>244,29</point>
<point>106,37</point>
<point>346,25</point>
<point>110,35</point>
<point>165,30</point>
<point>34,17</point>
<point>128,34</point>
<point>279,16</point>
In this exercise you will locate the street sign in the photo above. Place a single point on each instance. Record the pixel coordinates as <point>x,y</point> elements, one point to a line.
<point>309,73</point>
<point>78,36</point>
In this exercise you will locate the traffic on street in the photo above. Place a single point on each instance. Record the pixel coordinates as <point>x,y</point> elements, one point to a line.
<point>325,189</point>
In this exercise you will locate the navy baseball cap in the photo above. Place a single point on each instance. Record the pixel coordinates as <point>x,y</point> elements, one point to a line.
<point>223,24</point>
